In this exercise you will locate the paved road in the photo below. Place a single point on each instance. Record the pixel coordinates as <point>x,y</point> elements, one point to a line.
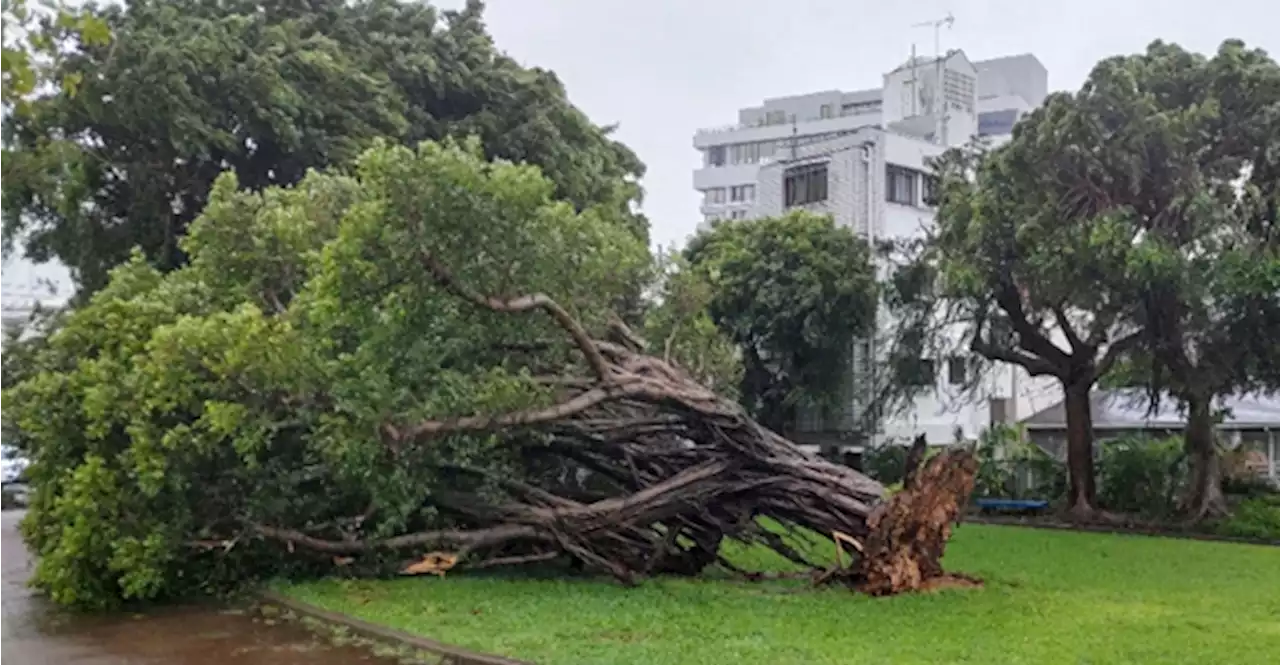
<point>34,633</point>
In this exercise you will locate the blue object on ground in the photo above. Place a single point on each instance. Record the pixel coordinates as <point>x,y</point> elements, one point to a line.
<point>1012,504</point>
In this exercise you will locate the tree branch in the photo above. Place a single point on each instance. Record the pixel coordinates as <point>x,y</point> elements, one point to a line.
<point>523,303</point>
<point>451,537</point>
<point>1035,366</point>
<point>578,404</point>
<point>1029,336</point>
<point>1077,345</point>
<point>1115,351</point>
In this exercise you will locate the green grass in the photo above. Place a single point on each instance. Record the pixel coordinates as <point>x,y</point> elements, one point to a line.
<point>1051,597</point>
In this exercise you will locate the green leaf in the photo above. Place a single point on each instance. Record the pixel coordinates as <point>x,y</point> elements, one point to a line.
<point>93,30</point>
<point>71,83</point>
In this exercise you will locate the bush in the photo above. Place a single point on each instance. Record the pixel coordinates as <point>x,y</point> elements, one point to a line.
<point>1258,517</point>
<point>1141,475</point>
<point>885,463</point>
<point>1010,467</point>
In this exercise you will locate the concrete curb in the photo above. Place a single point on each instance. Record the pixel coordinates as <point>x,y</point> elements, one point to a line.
<point>449,654</point>
<point>1153,532</point>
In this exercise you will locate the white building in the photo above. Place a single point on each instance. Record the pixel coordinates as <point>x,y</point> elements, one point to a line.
<point>862,157</point>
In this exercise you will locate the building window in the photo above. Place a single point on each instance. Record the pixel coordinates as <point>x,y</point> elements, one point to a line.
<point>994,123</point>
<point>957,370</point>
<point>715,155</point>
<point>825,111</point>
<point>900,186</point>
<point>775,117</point>
<point>714,196</point>
<point>921,373</point>
<point>805,184</point>
<point>738,214</point>
<point>744,153</point>
<point>930,189</point>
<point>742,193</point>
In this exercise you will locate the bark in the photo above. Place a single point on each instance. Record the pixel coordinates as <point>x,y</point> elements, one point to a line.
<point>1082,489</point>
<point>1204,498</point>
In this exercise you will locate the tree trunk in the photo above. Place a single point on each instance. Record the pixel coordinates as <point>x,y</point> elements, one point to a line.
<point>1204,498</point>
<point>1082,490</point>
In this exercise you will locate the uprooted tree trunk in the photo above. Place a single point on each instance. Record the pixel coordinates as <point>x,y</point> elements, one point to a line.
<point>687,469</point>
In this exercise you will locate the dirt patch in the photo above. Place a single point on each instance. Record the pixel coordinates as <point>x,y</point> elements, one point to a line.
<point>951,581</point>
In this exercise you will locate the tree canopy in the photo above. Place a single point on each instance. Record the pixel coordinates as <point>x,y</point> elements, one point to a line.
<point>1196,167</point>
<point>794,293</point>
<point>304,323</point>
<point>183,90</point>
<point>1007,278</point>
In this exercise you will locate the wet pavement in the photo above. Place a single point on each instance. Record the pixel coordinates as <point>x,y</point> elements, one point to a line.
<point>35,633</point>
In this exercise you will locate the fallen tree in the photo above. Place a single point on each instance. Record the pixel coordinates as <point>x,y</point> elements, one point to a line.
<point>341,381</point>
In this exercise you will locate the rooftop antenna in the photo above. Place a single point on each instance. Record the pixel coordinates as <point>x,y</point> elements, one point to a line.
<point>948,21</point>
<point>939,89</point>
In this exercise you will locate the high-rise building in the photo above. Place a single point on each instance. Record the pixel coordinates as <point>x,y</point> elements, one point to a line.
<point>862,157</point>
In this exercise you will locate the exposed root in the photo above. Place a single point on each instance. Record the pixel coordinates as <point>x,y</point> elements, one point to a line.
<point>909,533</point>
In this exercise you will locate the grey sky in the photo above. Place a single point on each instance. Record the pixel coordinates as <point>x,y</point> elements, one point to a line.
<point>662,68</point>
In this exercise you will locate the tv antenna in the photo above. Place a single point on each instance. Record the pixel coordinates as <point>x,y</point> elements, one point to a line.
<point>948,21</point>
<point>937,26</point>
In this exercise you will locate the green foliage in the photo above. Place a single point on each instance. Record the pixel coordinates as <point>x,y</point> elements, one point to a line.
<point>1010,467</point>
<point>1256,517</point>
<point>125,153</point>
<point>793,293</point>
<point>1141,475</point>
<point>173,412</point>
<point>37,38</point>
<point>886,463</point>
<point>680,330</point>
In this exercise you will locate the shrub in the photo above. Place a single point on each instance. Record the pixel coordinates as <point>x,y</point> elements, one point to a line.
<point>1141,475</point>
<point>885,463</point>
<point>1257,517</point>
<point>1010,467</point>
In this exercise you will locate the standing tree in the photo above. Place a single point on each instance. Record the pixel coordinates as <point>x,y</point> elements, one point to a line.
<point>793,293</point>
<point>1193,159</point>
<point>1026,268</point>
<point>1138,213</point>
<point>125,153</point>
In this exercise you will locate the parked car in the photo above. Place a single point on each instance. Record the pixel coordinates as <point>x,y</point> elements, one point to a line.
<point>14,464</point>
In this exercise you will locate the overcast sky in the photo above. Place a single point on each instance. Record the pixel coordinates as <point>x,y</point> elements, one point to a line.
<point>663,68</point>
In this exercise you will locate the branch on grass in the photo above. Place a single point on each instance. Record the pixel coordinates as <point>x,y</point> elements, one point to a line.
<point>446,537</point>
<point>513,560</point>
<point>523,303</point>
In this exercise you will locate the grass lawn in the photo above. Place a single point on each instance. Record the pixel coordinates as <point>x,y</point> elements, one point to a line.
<point>1051,597</point>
